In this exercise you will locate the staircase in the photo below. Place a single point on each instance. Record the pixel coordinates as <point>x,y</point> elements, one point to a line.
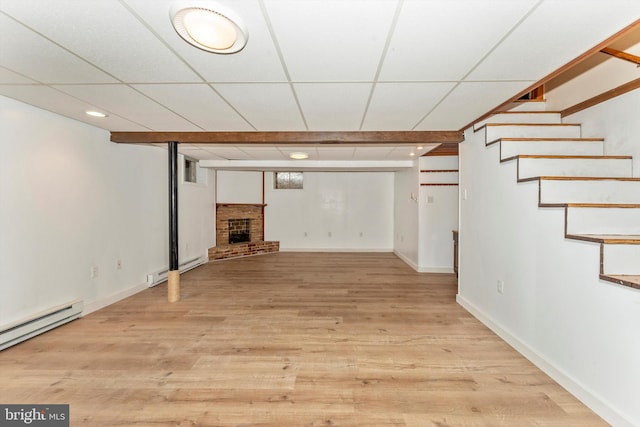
<point>599,194</point>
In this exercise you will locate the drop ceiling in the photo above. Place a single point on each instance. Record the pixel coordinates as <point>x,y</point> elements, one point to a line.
<point>309,65</point>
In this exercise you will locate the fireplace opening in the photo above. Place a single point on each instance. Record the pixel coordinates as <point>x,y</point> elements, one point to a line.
<point>239,230</point>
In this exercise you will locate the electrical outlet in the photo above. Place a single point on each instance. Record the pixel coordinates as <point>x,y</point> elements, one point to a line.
<point>500,286</point>
<point>329,234</point>
<point>93,272</point>
<point>118,264</point>
<point>430,199</point>
<point>361,234</point>
<point>305,234</point>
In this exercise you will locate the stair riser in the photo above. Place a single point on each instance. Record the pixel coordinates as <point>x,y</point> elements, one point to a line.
<point>608,191</point>
<point>619,168</point>
<point>621,259</point>
<point>603,221</point>
<point>494,133</point>
<point>565,148</point>
<point>528,106</point>
<point>521,117</point>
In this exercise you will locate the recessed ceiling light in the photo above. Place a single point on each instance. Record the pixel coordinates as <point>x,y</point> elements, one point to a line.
<point>412,154</point>
<point>299,155</point>
<point>95,114</point>
<point>209,27</point>
<point>419,147</point>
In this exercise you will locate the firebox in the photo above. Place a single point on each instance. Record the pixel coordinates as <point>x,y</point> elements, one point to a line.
<point>239,230</point>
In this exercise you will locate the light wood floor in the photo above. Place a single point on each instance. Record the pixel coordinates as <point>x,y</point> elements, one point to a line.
<point>289,339</point>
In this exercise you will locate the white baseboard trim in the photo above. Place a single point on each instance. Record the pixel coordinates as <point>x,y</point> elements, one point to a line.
<point>337,250</point>
<point>422,269</point>
<point>102,302</point>
<point>406,260</point>
<point>596,403</point>
<point>435,270</point>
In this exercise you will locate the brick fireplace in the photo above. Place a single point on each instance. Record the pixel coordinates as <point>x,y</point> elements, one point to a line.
<point>240,231</point>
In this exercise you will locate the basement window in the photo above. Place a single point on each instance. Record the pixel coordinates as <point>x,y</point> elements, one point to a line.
<point>192,172</point>
<point>288,180</point>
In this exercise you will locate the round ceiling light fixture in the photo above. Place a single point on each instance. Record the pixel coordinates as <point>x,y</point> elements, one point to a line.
<point>209,27</point>
<point>299,155</point>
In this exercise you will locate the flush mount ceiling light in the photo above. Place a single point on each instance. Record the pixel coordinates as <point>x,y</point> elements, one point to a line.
<point>209,26</point>
<point>93,113</point>
<point>299,155</point>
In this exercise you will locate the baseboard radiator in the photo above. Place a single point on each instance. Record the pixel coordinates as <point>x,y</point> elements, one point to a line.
<point>162,275</point>
<point>24,329</point>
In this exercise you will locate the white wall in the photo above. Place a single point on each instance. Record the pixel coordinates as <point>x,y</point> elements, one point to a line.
<point>196,214</point>
<point>238,186</point>
<point>554,309</point>
<point>70,200</point>
<point>348,211</point>
<point>617,121</point>
<point>406,215</point>
<point>438,217</point>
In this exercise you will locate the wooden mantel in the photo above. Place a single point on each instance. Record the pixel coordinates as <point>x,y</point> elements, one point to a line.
<point>355,137</point>
<point>260,205</point>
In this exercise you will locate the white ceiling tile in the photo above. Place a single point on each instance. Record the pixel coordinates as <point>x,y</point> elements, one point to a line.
<point>336,153</point>
<point>400,106</point>
<point>229,153</point>
<point>126,102</point>
<point>9,77</point>
<point>372,153</point>
<point>531,53</point>
<point>199,102</point>
<point>259,152</point>
<point>333,106</point>
<point>405,153</point>
<point>267,106</point>
<point>331,40</point>
<point>258,61</point>
<point>133,53</point>
<point>31,55</point>
<point>53,100</point>
<point>457,111</point>
<point>194,153</point>
<point>444,39</point>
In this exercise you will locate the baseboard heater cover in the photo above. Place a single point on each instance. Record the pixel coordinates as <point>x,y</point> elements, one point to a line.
<point>162,275</point>
<point>22,330</point>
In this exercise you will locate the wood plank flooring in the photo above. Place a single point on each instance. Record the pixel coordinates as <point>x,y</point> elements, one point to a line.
<point>289,339</point>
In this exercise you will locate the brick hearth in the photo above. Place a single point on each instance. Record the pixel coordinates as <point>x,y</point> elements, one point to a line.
<point>256,244</point>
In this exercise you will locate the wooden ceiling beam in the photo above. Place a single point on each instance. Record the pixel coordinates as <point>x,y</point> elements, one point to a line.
<point>372,137</point>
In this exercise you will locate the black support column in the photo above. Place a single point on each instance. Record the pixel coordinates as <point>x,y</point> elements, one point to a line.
<point>173,286</point>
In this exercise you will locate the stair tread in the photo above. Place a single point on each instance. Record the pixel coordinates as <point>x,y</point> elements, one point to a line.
<point>528,125</point>
<point>534,139</point>
<point>552,139</point>
<point>632,239</point>
<point>557,156</point>
<point>528,112</point>
<point>586,178</point>
<point>623,279</point>
<point>534,124</point>
<point>602,205</point>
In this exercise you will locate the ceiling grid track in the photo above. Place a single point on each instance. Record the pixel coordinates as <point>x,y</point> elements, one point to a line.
<point>392,29</point>
<point>507,34</point>
<point>276,44</point>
